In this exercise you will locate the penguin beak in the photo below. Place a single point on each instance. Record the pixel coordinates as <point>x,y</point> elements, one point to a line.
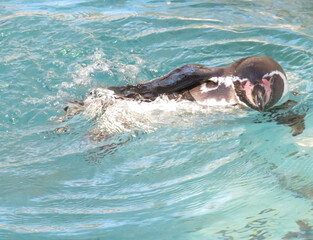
<point>259,97</point>
<point>260,103</point>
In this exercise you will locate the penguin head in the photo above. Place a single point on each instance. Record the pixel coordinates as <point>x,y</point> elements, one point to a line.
<point>261,83</point>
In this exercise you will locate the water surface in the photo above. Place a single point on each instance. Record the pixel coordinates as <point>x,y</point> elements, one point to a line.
<point>165,170</point>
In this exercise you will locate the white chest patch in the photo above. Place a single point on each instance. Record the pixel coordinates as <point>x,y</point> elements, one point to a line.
<point>227,81</point>
<point>204,88</point>
<point>222,82</point>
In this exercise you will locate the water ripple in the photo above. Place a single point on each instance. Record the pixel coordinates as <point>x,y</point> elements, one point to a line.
<point>166,170</point>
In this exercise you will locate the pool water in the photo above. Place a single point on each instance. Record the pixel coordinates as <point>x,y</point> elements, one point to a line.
<point>162,170</point>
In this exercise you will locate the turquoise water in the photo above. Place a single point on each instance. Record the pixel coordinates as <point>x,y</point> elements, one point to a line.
<point>164,170</point>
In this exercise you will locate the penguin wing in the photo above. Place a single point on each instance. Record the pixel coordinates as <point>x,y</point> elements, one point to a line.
<point>284,114</point>
<point>295,120</point>
<point>177,81</point>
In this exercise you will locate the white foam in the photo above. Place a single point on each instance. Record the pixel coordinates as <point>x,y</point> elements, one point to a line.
<point>213,102</point>
<point>82,75</point>
<point>124,115</point>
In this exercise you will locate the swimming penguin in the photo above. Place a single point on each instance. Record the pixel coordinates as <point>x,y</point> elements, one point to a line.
<point>257,82</point>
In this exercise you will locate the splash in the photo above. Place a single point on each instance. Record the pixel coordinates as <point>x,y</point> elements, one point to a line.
<point>115,114</point>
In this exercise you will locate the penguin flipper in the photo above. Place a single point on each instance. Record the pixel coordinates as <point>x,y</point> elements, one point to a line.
<point>293,120</point>
<point>177,81</point>
<point>290,118</point>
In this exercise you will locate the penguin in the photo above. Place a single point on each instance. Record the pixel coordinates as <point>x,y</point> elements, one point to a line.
<point>259,83</point>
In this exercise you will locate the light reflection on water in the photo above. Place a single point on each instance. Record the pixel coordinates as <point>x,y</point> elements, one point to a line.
<point>165,170</point>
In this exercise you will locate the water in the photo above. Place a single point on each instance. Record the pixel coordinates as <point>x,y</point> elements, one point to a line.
<point>165,170</point>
